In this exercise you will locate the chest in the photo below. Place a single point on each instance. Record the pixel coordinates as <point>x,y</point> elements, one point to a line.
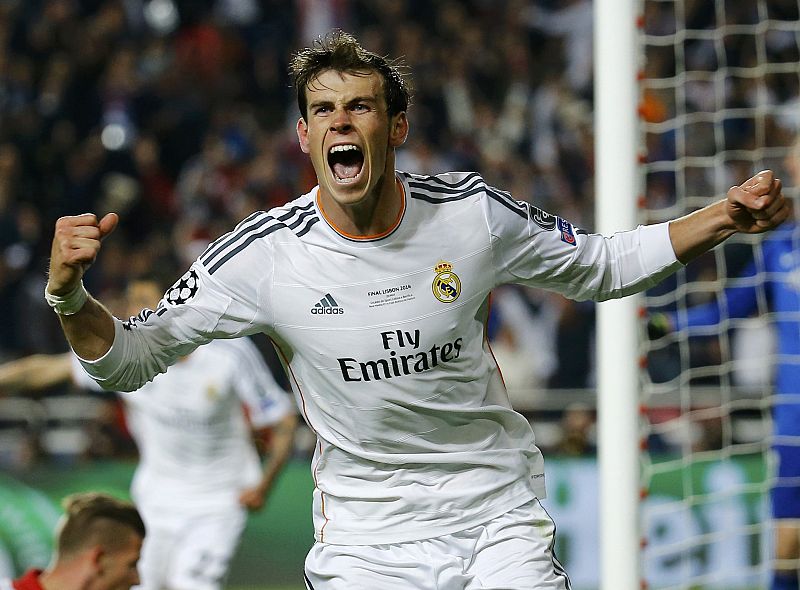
<point>427,273</point>
<point>418,291</point>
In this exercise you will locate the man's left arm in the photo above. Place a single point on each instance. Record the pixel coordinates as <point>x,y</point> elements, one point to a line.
<point>755,206</point>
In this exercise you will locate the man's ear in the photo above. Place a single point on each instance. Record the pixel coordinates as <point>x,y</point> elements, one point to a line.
<point>94,558</point>
<point>398,130</point>
<point>302,135</point>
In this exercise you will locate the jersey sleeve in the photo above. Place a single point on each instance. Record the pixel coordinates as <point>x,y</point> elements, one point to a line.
<point>266,401</point>
<point>199,307</point>
<point>534,248</point>
<point>81,378</point>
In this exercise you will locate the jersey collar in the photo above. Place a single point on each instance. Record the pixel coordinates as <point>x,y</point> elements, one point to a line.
<point>374,237</point>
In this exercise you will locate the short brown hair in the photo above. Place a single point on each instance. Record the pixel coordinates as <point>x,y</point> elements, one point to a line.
<point>339,51</point>
<point>93,518</point>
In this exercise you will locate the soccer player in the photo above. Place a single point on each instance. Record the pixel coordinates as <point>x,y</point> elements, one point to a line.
<point>98,541</point>
<point>780,265</point>
<point>199,471</point>
<point>374,287</point>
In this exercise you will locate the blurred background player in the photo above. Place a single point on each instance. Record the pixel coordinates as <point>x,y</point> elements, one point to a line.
<point>199,472</point>
<point>778,276</point>
<point>98,542</point>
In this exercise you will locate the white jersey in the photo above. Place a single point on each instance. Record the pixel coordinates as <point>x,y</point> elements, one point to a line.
<point>195,443</point>
<point>384,342</point>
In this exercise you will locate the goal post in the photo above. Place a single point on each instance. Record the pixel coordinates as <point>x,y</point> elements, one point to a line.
<point>616,174</point>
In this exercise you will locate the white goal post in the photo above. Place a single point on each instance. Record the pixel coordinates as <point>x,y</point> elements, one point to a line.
<point>616,181</point>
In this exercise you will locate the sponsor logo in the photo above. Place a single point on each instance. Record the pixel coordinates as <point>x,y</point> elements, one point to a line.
<point>567,233</point>
<point>327,306</point>
<point>407,359</point>
<point>446,284</point>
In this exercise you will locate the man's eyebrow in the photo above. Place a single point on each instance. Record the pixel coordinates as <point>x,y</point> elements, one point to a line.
<point>363,99</point>
<point>325,102</point>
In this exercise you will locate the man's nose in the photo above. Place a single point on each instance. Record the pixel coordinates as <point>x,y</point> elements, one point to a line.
<point>341,121</point>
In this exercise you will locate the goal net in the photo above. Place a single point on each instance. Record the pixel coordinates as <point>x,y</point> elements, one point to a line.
<point>720,101</point>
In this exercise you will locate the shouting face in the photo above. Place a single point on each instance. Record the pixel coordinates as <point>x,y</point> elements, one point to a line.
<point>350,138</point>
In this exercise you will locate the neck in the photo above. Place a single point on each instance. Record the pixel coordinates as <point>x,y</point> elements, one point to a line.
<point>373,216</point>
<point>65,578</point>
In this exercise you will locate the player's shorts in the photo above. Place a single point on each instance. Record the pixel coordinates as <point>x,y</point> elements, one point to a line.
<point>785,492</point>
<point>189,552</point>
<point>512,552</point>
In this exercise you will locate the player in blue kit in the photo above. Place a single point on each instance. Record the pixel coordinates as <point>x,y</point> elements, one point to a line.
<point>777,275</point>
<point>424,475</point>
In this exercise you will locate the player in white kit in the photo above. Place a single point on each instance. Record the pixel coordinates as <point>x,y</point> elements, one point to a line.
<point>199,471</point>
<point>374,288</point>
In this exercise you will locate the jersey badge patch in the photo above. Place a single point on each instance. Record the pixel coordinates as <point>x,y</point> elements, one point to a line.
<point>446,284</point>
<point>183,290</point>
<point>567,233</point>
<point>542,218</point>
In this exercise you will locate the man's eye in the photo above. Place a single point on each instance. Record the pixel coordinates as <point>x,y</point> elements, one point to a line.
<point>360,107</point>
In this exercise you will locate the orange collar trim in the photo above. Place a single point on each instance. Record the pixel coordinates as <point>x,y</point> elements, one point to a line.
<point>372,237</point>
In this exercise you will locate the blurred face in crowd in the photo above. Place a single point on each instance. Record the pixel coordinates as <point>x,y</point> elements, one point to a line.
<point>142,294</point>
<point>116,570</point>
<point>350,137</point>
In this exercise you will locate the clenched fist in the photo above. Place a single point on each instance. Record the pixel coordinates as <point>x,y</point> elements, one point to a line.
<point>758,205</point>
<point>76,243</point>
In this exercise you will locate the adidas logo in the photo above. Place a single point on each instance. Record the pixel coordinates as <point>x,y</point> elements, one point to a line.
<point>327,305</point>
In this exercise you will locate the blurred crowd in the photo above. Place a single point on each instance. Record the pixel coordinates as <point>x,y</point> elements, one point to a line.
<point>178,115</point>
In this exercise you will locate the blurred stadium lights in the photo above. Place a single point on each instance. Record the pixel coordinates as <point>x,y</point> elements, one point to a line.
<point>161,16</point>
<point>114,137</point>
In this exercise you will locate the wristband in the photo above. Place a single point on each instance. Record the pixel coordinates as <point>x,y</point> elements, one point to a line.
<point>68,304</point>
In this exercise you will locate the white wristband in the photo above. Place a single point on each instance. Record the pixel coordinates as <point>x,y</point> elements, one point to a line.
<point>68,304</point>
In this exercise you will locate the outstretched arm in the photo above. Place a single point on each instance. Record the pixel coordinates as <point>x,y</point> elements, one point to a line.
<point>280,450</point>
<point>36,372</point>
<point>755,206</point>
<point>88,325</point>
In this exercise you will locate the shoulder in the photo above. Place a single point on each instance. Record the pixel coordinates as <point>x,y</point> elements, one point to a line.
<point>296,217</point>
<point>463,187</point>
<point>446,187</point>
<point>29,581</point>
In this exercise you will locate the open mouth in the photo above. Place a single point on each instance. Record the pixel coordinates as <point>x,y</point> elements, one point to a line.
<point>346,162</point>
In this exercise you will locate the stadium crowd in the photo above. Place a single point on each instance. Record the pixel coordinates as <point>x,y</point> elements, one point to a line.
<point>178,114</point>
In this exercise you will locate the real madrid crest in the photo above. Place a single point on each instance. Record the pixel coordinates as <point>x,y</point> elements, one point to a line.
<point>446,284</point>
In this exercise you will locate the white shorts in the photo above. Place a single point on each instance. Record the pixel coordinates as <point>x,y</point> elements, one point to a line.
<point>511,552</point>
<point>189,552</point>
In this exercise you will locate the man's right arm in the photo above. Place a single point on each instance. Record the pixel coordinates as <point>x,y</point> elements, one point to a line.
<point>76,243</point>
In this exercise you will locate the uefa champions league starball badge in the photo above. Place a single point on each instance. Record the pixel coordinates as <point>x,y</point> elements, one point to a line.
<point>183,290</point>
<point>446,284</point>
